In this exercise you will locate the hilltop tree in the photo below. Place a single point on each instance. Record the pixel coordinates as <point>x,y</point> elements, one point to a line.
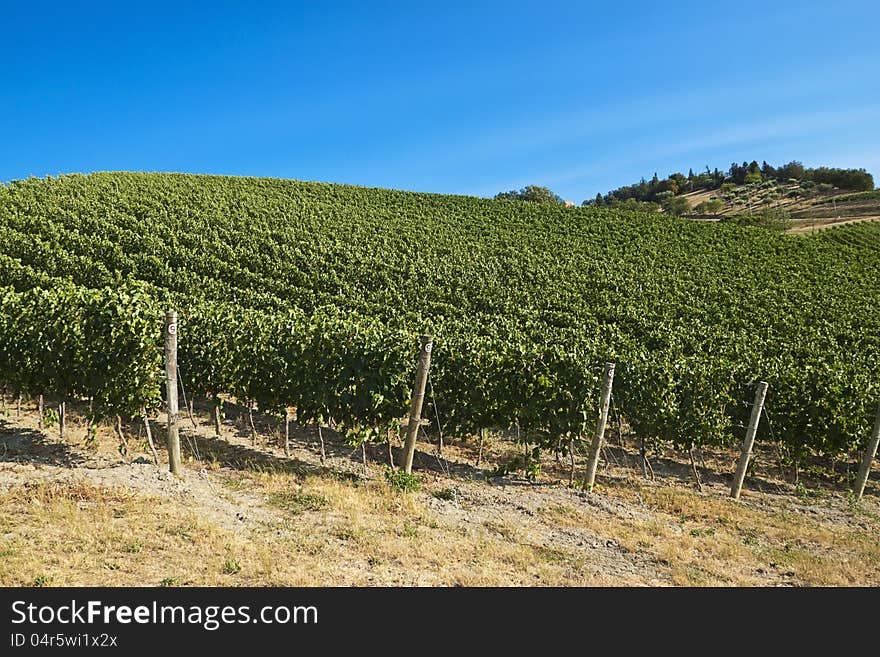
<point>679,180</point>
<point>753,173</point>
<point>668,185</point>
<point>738,173</point>
<point>531,193</point>
<point>793,169</point>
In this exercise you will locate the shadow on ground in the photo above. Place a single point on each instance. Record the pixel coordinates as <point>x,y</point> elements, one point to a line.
<point>22,445</point>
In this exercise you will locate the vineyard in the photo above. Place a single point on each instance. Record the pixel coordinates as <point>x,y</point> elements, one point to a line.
<point>310,298</point>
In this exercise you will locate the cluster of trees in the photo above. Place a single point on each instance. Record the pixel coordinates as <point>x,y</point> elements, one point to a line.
<point>679,205</point>
<point>666,194</point>
<point>854,179</point>
<point>660,191</point>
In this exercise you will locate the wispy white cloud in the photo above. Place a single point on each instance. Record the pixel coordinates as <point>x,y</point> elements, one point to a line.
<point>682,141</point>
<point>531,134</point>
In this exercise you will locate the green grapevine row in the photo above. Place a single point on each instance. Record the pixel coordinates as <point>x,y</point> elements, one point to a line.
<point>312,296</point>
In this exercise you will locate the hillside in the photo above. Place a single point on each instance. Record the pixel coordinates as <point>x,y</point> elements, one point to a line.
<point>789,195</point>
<point>285,287</point>
<point>300,310</point>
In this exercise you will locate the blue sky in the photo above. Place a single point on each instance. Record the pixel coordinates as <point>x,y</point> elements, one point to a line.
<point>470,98</point>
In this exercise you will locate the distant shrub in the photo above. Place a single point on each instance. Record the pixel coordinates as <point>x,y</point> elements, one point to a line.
<point>712,206</point>
<point>675,205</point>
<point>769,218</point>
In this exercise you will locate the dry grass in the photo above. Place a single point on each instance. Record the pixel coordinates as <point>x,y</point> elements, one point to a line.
<point>328,532</point>
<point>332,532</point>
<point>290,523</point>
<point>710,539</point>
<point>78,534</point>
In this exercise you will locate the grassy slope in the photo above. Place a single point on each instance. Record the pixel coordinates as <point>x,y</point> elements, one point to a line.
<point>308,523</point>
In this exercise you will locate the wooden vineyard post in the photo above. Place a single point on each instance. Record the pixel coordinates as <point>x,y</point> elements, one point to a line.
<point>171,390</point>
<point>418,397</point>
<point>596,446</point>
<point>40,411</point>
<point>743,465</point>
<point>870,453</point>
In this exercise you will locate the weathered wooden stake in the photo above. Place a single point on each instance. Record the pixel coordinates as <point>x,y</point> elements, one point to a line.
<point>870,453</point>
<point>286,433</point>
<point>480,452</point>
<point>596,446</point>
<point>739,477</point>
<point>61,419</point>
<point>418,397</point>
<point>173,437</point>
<point>18,406</point>
<point>40,411</point>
